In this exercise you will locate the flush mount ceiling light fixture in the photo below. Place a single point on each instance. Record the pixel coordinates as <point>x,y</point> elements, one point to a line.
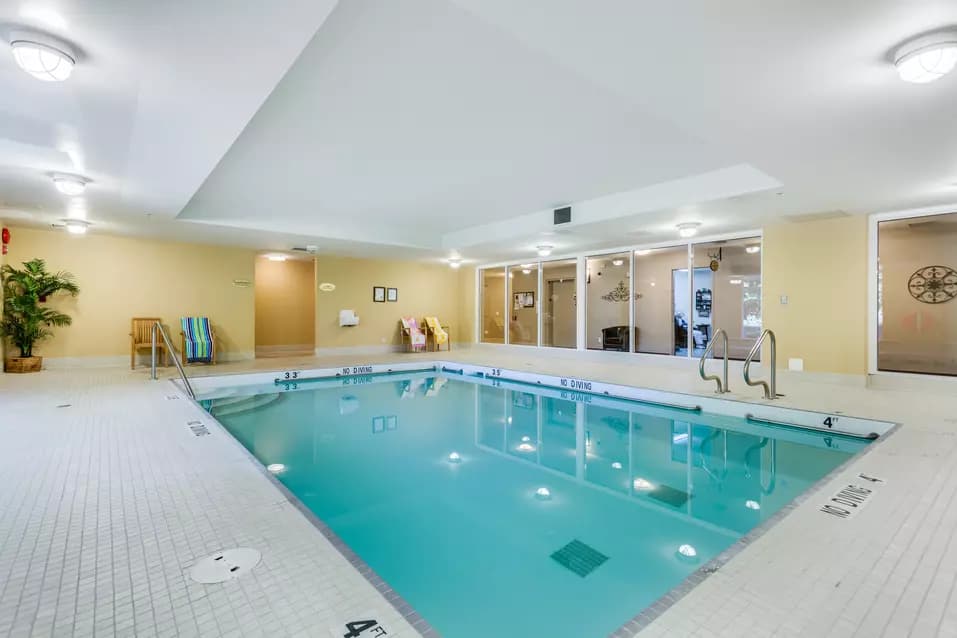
<point>72,185</point>
<point>43,56</point>
<point>277,257</point>
<point>454,262</point>
<point>927,58</point>
<point>76,226</point>
<point>752,250</point>
<point>688,229</point>
<point>544,250</point>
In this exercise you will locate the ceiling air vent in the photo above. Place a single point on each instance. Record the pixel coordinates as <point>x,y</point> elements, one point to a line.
<point>310,249</point>
<point>563,215</point>
<point>816,217</point>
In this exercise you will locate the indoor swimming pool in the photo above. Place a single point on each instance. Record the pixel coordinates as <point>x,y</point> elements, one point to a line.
<point>500,508</point>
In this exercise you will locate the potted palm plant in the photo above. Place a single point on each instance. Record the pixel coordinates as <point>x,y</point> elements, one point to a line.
<point>25,320</point>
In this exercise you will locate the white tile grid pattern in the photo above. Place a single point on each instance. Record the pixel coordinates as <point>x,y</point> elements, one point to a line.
<point>890,571</point>
<point>106,504</point>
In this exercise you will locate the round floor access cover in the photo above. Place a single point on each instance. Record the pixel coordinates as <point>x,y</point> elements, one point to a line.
<point>225,565</point>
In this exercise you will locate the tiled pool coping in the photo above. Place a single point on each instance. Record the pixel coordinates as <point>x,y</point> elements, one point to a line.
<point>630,628</point>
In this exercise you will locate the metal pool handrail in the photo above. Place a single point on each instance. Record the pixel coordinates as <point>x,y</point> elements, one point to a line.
<point>722,388</point>
<point>158,327</point>
<point>770,389</point>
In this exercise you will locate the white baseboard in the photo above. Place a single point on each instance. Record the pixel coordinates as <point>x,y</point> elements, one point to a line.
<point>123,360</point>
<point>284,350</point>
<point>384,348</point>
<point>353,350</point>
<point>60,363</point>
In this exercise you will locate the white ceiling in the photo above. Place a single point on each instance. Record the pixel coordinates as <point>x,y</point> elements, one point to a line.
<point>161,90</point>
<point>417,128</point>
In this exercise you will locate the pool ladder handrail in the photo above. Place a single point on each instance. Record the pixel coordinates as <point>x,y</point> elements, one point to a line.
<point>722,387</point>
<point>770,389</point>
<point>158,327</point>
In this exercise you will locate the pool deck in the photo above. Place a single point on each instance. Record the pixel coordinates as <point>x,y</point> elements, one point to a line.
<point>107,502</point>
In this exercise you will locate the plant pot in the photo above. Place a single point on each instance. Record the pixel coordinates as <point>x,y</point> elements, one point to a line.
<point>23,364</point>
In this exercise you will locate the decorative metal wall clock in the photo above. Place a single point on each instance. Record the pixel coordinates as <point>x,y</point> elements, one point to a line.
<point>933,284</point>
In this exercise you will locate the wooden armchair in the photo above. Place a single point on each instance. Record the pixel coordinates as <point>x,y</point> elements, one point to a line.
<point>141,337</point>
<point>198,340</point>
<point>412,336</point>
<point>437,334</point>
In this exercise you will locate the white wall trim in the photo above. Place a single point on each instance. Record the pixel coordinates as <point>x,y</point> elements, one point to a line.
<point>671,243</point>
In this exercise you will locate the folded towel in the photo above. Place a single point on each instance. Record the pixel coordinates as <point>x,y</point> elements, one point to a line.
<point>416,336</point>
<point>440,335</point>
<point>198,337</point>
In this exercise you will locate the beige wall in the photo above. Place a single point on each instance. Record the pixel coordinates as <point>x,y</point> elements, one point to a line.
<point>121,278</point>
<point>467,308</point>
<point>424,289</point>
<point>822,268</point>
<point>285,304</point>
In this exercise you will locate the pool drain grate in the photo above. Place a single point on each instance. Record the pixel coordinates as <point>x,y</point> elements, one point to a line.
<point>225,565</point>
<point>198,428</point>
<point>579,558</point>
<point>669,495</point>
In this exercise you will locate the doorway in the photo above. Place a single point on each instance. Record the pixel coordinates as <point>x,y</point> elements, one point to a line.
<point>285,307</point>
<point>560,320</point>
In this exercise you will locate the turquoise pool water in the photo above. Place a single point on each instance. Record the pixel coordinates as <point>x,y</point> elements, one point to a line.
<point>501,509</point>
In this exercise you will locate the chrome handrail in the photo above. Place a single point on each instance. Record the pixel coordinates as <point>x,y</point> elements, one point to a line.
<point>770,389</point>
<point>158,327</point>
<point>722,388</point>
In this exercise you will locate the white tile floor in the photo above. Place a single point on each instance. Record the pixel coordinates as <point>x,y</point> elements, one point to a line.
<point>104,506</point>
<point>107,503</point>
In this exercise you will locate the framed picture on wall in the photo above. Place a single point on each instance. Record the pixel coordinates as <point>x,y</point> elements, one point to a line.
<point>378,294</point>
<point>523,300</point>
<point>392,294</point>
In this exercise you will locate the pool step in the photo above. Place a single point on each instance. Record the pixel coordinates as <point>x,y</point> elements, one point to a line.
<point>228,406</point>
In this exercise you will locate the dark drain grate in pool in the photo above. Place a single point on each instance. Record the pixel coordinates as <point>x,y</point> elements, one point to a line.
<point>669,495</point>
<point>579,558</point>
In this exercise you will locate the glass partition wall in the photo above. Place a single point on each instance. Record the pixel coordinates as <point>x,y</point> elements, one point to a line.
<point>667,300</point>
<point>523,304</point>
<point>917,295</point>
<point>661,300</point>
<point>607,296</point>
<point>726,293</point>
<point>560,304</point>
<point>492,303</point>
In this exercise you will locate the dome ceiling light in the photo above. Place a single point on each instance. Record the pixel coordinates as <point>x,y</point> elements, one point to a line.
<point>72,185</point>
<point>927,58</point>
<point>688,229</point>
<point>544,250</point>
<point>76,226</point>
<point>43,56</point>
